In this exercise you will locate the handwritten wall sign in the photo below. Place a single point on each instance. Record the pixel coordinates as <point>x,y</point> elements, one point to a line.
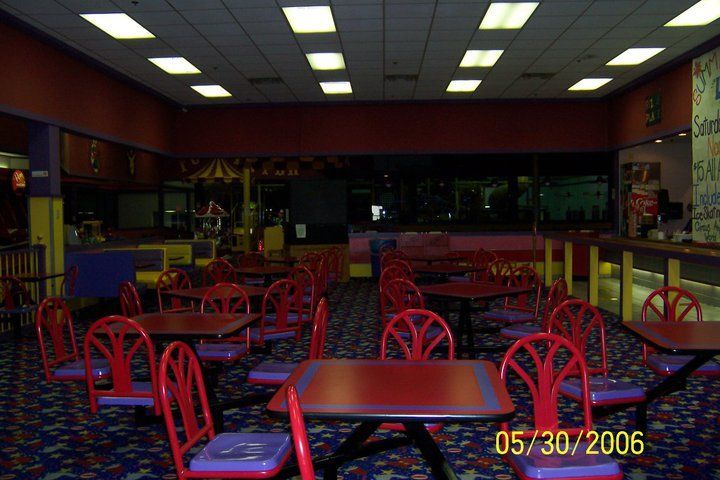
<point>653,109</point>
<point>706,147</point>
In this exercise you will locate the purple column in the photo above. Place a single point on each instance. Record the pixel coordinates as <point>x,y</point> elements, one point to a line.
<point>44,152</point>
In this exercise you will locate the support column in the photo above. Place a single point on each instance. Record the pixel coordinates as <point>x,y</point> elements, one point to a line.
<point>45,205</point>
<point>246,209</point>
<point>568,266</point>
<point>593,275</point>
<point>626,287</point>
<point>548,262</point>
<point>672,272</point>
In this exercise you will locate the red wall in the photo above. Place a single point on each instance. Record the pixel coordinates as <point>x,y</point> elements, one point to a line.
<point>627,111</point>
<point>401,128</point>
<point>13,134</point>
<point>43,83</point>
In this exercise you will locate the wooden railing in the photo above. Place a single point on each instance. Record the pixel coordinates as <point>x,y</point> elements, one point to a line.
<point>26,261</point>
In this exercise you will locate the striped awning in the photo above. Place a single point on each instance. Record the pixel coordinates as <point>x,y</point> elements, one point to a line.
<point>218,170</point>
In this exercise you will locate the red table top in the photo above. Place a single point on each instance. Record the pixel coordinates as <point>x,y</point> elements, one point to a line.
<point>36,277</point>
<point>286,260</point>
<point>196,325</point>
<point>679,336</point>
<point>433,258</point>
<point>398,390</point>
<point>445,268</point>
<point>472,290</point>
<point>262,270</point>
<point>198,293</point>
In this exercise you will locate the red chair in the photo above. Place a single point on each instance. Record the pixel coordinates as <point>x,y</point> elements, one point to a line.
<point>522,308</point>
<point>390,255</point>
<point>403,265</point>
<point>250,259</point>
<point>552,364</point>
<point>130,305</point>
<point>173,279</point>
<point>123,343</point>
<point>498,272</point>
<point>300,441</point>
<point>224,298</point>
<point>581,324</point>
<point>219,270</point>
<point>15,301</point>
<point>306,281</point>
<point>58,350</point>
<point>67,286</point>
<point>673,304</point>
<point>397,296</point>
<point>271,373</point>
<point>227,455</point>
<point>481,260</point>
<point>423,330</point>
<point>556,295</point>
<point>311,260</point>
<point>335,264</point>
<point>417,333</point>
<point>282,307</point>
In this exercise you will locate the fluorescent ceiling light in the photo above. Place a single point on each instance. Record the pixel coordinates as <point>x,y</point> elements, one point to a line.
<point>503,15</point>
<point>335,88</point>
<point>589,84</point>
<point>175,65</point>
<point>211,91</point>
<point>634,56</point>
<point>480,58</point>
<point>326,61</point>
<point>702,13</point>
<point>117,25</point>
<point>310,19</point>
<point>463,85</point>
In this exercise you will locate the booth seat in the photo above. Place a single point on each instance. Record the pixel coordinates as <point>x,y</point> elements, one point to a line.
<point>203,251</point>
<point>179,255</point>
<point>149,262</point>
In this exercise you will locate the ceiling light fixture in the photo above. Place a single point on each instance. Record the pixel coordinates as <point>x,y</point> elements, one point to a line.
<point>702,13</point>
<point>634,56</point>
<point>326,61</point>
<point>336,88</point>
<point>175,65</point>
<point>118,25</point>
<point>463,85</point>
<point>211,91</point>
<point>503,15</point>
<point>683,134</point>
<point>589,84</point>
<point>310,19</point>
<point>480,58</point>
<point>658,140</point>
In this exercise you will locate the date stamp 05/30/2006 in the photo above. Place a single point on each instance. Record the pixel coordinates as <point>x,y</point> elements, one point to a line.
<point>586,442</point>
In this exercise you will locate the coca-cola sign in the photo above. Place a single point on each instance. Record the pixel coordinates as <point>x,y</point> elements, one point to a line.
<point>642,203</point>
<point>18,183</point>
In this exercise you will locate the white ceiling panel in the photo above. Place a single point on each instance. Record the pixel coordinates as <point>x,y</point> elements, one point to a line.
<point>417,43</point>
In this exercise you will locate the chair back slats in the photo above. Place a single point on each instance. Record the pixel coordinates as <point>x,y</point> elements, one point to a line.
<point>526,277</point>
<point>669,304</point>
<point>482,260</point>
<point>417,333</point>
<point>403,265</point>
<point>397,296</point>
<point>319,330</point>
<point>13,293</point>
<point>561,359</point>
<point>498,272</point>
<point>558,293</point>
<point>225,298</point>
<point>172,279</point>
<point>130,305</point>
<point>299,434</point>
<point>282,298</point>
<point>306,282</point>
<point>582,324</point>
<point>218,270</point>
<point>67,286</point>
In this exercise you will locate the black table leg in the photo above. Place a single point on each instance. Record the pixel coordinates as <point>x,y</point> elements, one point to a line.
<point>422,439</point>
<point>670,384</point>
<point>465,327</point>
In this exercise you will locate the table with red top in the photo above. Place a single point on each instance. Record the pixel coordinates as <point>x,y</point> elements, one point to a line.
<point>699,339</point>
<point>191,327</point>
<point>413,393</point>
<point>267,272</point>
<point>282,260</point>
<point>198,293</point>
<point>446,269</point>
<point>466,293</point>
<point>430,259</point>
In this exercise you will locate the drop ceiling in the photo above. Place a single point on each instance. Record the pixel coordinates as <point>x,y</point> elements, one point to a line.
<point>394,50</point>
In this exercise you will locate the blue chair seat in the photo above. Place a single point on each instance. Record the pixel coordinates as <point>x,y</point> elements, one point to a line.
<point>509,315</point>
<point>254,281</point>
<point>603,391</point>
<point>271,318</point>
<point>99,366</point>
<point>144,387</point>
<point>456,278</point>
<point>243,452</point>
<point>269,373</point>
<point>307,298</point>
<point>221,351</point>
<point>520,331</point>
<point>255,335</point>
<point>663,364</point>
<point>537,465</point>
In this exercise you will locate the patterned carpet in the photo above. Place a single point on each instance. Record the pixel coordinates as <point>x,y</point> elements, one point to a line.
<point>47,431</point>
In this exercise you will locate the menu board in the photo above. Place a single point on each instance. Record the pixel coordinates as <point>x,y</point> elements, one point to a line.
<point>706,147</point>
